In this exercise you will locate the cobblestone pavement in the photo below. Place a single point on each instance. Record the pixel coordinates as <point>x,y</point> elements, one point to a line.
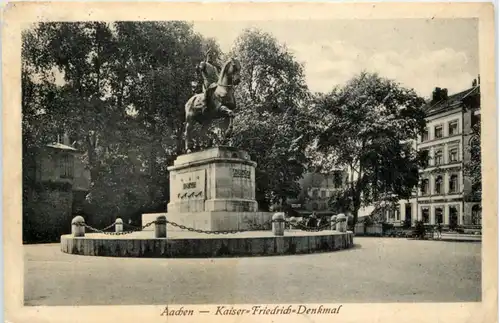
<point>376,270</point>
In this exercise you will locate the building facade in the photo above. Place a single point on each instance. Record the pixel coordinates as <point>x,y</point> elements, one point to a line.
<point>316,191</point>
<point>54,188</point>
<point>441,197</point>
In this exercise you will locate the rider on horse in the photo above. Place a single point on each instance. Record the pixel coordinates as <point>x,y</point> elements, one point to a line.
<point>210,75</point>
<point>216,102</point>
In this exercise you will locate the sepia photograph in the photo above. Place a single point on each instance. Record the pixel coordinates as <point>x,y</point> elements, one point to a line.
<point>259,168</point>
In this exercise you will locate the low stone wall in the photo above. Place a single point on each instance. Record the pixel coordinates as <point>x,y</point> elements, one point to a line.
<point>265,244</point>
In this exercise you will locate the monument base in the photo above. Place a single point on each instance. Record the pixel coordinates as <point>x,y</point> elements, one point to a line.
<point>212,220</point>
<point>192,244</point>
<point>214,180</point>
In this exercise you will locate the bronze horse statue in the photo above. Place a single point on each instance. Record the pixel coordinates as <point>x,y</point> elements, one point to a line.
<point>216,102</point>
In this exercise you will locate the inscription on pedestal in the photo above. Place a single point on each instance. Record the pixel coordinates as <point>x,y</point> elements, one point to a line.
<point>188,185</point>
<point>241,173</point>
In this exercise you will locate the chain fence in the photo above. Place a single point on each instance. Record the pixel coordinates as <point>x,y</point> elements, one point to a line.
<point>135,229</point>
<point>252,227</point>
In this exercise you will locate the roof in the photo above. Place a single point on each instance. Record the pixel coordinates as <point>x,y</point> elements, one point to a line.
<point>451,102</point>
<point>57,145</point>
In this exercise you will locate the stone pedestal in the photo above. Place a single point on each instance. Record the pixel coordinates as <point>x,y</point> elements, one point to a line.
<point>213,189</point>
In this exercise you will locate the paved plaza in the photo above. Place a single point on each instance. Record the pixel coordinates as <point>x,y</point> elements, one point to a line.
<point>375,270</point>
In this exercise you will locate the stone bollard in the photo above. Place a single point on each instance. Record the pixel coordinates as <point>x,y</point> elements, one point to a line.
<point>278,224</point>
<point>118,225</point>
<point>342,223</point>
<point>161,227</point>
<point>77,226</point>
<point>333,222</point>
<point>293,221</point>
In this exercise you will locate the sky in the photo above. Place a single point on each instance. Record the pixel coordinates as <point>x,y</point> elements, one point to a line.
<point>418,53</point>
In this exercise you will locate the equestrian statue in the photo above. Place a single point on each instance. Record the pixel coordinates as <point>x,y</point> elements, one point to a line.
<point>217,100</point>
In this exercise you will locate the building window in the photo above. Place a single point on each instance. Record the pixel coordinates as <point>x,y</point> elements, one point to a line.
<point>438,157</point>
<point>425,134</point>
<point>438,131</point>
<point>453,128</point>
<point>439,184</point>
<point>396,215</point>
<point>314,193</point>
<point>425,214</point>
<point>314,206</point>
<point>476,215</point>
<point>424,186</point>
<point>453,155</point>
<point>323,194</point>
<point>438,212</point>
<point>65,166</point>
<point>426,157</point>
<point>453,183</point>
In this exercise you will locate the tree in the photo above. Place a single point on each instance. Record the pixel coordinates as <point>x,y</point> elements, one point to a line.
<point>163,58</point>
<point>84,54</point>
<point>121,101</point>
<point>472,169</point>
<point>272,80</point>
<point>38,94</point>
<point>271,122</point>
<point>82,102</point>
<point>367,127</point>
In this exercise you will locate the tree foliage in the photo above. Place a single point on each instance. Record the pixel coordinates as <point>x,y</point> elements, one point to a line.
<point>472,169</point>
<point>367,127</point>
<point>272,121</point>
<point>118,90</point>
